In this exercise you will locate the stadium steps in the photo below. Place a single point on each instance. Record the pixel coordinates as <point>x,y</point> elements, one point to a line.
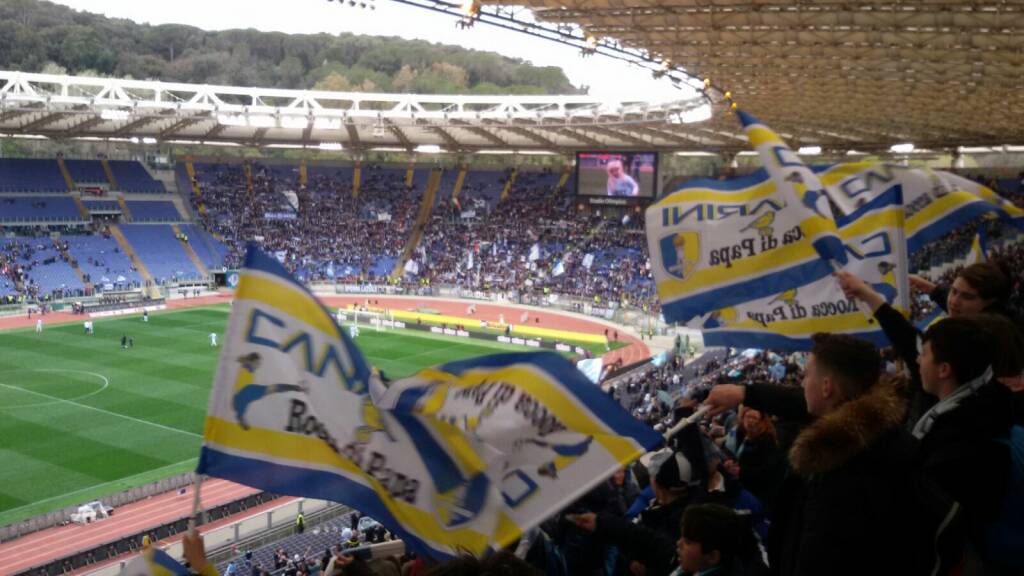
<point>357,175</point>
<point>247,168</point>
<point>126,247</point>
<point>303,173</point>
<point>190,170</point>
<point>426,209</point>
<point>459,181</point>
<point>81,208</point>
<point>124,208</point>
<point>508,185</point>
<point>110,174</point>
<point>410,173</point>
<point>564,179</point>
<point>187,245</point>
<point>66,173</point>
<point>73,263</point>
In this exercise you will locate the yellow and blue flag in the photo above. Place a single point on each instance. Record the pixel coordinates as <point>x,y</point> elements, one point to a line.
<point>936,202</point>
<point>461,457</point>
<point>796,181</point>
<point>153,562</point>
<point>979,248</point>
<point>714,244</point>
<point>876,252</point>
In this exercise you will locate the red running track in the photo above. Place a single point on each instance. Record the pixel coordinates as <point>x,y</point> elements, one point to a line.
<point>61,541</point>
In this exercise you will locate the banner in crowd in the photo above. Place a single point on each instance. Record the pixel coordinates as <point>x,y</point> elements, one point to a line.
<point>412,267</point>
<point>461,457</point>
<point>719,244</point>
<point>872,236</point>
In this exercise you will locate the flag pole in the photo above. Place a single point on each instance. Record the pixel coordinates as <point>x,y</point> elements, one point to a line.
<point>198,517</point>
<point>691,419</point>
<point>861,305</point>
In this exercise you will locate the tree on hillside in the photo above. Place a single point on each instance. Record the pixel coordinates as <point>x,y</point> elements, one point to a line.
<point>35,33</point>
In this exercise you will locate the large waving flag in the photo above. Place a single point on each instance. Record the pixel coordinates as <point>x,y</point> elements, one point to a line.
<point>716,244</point>
<point>936,201</point>
<point>465,456</point>
<point>873,239</point>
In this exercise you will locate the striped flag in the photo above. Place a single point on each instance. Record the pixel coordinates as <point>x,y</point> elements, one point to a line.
<point>462,457</point>
<point>716,244</point>
<point>936,202</point>
<point>979,249</point>
<point>872,236</point>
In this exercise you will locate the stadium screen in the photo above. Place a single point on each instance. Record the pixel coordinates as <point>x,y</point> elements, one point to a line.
<point>625,174</point>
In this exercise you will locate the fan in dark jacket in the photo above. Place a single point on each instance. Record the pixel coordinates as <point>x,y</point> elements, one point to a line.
<point>846,506</point>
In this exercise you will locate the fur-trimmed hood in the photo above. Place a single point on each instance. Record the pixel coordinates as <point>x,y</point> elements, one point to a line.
<point>837,437</point>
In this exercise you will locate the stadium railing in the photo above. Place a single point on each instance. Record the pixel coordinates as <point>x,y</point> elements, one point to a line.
<point>63,515</point>
<point>221,542</point>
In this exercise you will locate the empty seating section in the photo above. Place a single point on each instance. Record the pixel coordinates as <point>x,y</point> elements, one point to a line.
<point>102,205</point>
<point>28,209</point>
<point>102,260</point>
<point>210,251</point>
<point>161,252</point>
<point>153,211</point>
<point>132,176</point>
<point>31,175</point>
<point>86,171</point>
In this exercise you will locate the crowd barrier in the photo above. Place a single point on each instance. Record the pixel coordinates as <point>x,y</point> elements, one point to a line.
<point>230,535</point>
<point>63,515</point>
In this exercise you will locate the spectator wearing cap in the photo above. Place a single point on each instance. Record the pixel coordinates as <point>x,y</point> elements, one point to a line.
<point>649,544</point>
<point>846,503</point>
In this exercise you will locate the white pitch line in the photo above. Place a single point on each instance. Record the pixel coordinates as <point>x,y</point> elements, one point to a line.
<point>95,486</point>
<point>119,415</point>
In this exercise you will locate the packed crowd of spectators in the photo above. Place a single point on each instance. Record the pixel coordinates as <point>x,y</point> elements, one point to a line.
<point>325,230</point>
<point>537,242</point>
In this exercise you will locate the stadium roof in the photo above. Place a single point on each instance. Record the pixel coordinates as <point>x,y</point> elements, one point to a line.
<point>843,75</point>
<point>62,107</point>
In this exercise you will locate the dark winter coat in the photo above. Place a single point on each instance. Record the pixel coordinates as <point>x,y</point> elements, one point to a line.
<point>845,506</point>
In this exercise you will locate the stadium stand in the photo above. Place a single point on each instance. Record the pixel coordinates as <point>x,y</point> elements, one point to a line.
<point>86,171</point>
<point>102,205</point>
<point>102,261</point>
<point>31,175</point>
<point>37,209</point>
<point>161,252</point>
<point>132,176</point>
<point>153,211</point>
<point>211,251</point>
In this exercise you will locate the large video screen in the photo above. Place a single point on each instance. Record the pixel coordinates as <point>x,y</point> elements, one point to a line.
<point>616,174</point>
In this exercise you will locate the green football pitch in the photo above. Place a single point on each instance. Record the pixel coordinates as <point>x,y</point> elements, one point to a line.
<point>81,418</point>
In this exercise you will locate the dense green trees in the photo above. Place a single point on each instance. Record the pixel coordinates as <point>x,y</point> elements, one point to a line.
<point>37,35</point>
